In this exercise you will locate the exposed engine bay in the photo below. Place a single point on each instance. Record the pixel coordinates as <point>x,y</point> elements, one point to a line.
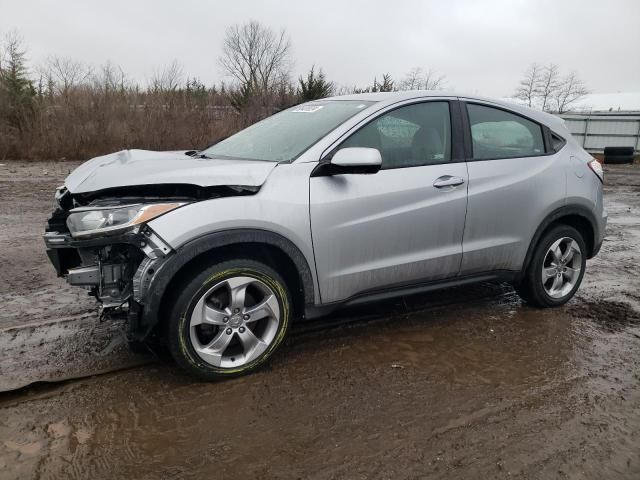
<point>116,266</point>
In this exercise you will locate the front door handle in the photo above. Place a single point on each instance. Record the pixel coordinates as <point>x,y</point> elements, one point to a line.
<point>448,181</point>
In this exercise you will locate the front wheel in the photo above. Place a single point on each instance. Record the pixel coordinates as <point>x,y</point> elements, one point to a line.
<point>556,268</point>
<point>229,319</point>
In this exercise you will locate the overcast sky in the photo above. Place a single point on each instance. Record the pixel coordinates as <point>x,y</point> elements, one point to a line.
<point>481,46</point>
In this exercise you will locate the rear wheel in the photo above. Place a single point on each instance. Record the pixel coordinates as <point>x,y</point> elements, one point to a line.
<point>556,268</point>
<point>229,319</point>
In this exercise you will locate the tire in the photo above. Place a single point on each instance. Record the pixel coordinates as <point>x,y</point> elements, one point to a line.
<point>216,331</point>
<point>552,293</point>
<point>618,155</point>
<point>618,151</point>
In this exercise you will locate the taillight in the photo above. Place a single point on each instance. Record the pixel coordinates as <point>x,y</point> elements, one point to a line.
<point>596,168</point>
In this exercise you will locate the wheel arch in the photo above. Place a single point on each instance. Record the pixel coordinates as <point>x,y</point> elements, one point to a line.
<point>575,216</point>
<point>262,245</point>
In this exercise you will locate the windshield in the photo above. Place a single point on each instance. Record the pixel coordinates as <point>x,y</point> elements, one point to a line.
<point>285,135</point>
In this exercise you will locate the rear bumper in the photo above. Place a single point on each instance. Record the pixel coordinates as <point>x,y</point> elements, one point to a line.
<point>602,226</point>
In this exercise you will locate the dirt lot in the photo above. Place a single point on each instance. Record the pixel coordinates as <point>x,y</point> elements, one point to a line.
<point>468,383</point>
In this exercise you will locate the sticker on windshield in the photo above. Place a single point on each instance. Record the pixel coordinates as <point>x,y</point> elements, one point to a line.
<point>307,108</point>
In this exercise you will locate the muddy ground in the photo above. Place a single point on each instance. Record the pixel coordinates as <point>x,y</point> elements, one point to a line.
<point>467,383</point>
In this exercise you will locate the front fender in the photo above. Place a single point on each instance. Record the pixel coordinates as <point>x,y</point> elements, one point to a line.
<point>166,271</point>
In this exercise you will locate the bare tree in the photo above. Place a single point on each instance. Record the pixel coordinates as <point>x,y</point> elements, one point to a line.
<point>548,83</point>
<point>528,87</point>
<point>256,56</point>
<point>543,87</point>
<point>412,80</point>
<point>570,90</point>
<point>66,73</point>
<point>109,78</point>
<point>417,79</point>
<point>168,79</point>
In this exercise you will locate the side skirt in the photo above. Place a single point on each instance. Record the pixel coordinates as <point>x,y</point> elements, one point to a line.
<point>316,311</point>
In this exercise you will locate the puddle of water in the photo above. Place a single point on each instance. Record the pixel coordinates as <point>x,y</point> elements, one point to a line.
<point>449,380</point>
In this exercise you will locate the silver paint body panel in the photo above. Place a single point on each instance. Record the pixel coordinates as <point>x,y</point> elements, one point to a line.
<point>143,167</point>
<point>508,199</point>
<point>393,227</point>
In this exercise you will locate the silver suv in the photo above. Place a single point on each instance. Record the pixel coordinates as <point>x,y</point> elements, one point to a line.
<point>333,202</point>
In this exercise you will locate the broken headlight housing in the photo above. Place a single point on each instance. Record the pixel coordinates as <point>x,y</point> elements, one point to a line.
<point>92,221</point>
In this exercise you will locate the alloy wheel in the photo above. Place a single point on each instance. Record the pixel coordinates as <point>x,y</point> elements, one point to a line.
<point>561,267</point>
<point>234,322</point>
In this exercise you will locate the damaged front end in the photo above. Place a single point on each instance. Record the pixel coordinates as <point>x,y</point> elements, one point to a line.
<point>101,242</point>
<point>105,246</point>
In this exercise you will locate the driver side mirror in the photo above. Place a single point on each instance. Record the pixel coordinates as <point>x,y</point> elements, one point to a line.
<point>350,160</point>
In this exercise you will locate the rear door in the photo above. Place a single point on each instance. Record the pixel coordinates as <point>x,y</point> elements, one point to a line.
<point>514,181</point>
<point>403,224</point>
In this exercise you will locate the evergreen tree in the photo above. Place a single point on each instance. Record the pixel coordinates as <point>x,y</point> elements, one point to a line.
<point>315,86</point>
<point>17,93</point>
<point>241,97</point>
<point>387,84</point>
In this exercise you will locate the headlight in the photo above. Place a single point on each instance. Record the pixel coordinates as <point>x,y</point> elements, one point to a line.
<point>89,221</point>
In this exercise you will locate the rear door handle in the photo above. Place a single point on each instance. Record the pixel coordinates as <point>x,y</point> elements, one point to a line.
<point>448,181</point>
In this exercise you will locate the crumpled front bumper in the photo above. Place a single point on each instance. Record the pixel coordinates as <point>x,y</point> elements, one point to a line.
<point>81,264</point>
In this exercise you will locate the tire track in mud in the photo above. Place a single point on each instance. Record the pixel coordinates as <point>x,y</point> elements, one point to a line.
<point>80,345</point>
<point>74,347</point>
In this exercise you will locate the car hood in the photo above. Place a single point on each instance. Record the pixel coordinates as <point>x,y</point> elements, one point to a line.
<point>143,167</point>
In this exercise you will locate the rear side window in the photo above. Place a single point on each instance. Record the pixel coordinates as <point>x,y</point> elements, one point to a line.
<point>557,142</point>
<point>410,136</point>
<point>499,134</point>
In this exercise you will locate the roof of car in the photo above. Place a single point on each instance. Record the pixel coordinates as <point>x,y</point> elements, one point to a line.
<point>401,95</point>
<point>393,97</point>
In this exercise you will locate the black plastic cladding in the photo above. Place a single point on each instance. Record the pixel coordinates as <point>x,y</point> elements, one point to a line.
<point>187,252</point>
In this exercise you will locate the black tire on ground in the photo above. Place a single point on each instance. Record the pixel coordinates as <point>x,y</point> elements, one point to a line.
<point>618,155</point>
<point>531,287</point>
<point>179,337</point>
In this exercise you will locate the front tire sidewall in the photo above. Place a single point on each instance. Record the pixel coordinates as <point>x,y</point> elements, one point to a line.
<point>179,332</point>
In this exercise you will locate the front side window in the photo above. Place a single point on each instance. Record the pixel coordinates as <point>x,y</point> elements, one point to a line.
<point>286,135</point>
<point>499,134</point>
<point>418,134</point>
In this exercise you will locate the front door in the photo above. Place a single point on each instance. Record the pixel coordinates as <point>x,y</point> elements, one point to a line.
<point>400,226</point>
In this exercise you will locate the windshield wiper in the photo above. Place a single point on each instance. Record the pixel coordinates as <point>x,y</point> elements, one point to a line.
<point>195,154</point>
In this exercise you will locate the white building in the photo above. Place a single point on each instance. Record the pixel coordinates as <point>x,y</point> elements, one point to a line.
<point>601,120</point>
<point>606,120</point>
